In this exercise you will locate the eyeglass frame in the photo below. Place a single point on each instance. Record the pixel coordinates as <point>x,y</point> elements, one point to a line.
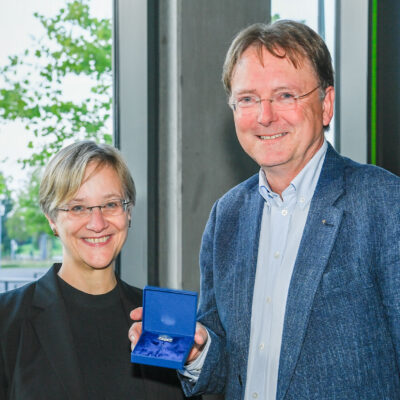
<point>89,209</point>
<point>235,106</point>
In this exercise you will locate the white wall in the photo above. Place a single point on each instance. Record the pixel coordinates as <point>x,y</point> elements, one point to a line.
<point>353,79</point>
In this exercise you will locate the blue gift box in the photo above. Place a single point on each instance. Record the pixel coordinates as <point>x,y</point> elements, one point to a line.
<point>169,324</point>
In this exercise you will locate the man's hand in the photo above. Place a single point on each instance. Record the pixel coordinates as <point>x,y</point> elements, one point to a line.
<point>200,337</point>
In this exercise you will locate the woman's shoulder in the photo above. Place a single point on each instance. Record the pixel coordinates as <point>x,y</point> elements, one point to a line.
<point>16,297</point>
<point>132,293</point>
<point>14,306</point>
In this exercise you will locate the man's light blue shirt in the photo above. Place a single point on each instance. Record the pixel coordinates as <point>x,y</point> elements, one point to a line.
<point>282,226</point>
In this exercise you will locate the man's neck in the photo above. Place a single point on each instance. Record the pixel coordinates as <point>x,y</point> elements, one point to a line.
<point>279,177</point>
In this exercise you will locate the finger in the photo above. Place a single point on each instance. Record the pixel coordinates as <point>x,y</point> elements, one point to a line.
<point>200,339</point>
<point>137,314</point>
<point>200,336</point>
<point>192,355</point>
<point>134,333</point>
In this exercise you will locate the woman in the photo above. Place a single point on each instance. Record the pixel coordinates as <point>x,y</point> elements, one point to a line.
<point>64,336</point>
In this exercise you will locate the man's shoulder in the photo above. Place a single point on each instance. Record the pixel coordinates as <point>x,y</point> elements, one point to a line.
<point>243,190</point>
<point>358,177</point>
<point>367,177</point>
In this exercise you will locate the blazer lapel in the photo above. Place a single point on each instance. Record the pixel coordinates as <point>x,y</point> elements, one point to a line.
<point>131,298</point>
<point>247,242</point>
<point>51,325</point>
<point>316,245</point>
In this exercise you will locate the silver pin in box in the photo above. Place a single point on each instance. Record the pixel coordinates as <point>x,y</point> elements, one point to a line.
<point>165,338</point>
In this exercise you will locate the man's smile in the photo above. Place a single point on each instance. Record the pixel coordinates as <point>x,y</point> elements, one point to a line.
<point>270,137</point>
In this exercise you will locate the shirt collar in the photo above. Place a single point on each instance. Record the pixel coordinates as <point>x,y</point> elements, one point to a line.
<point>303,185</point>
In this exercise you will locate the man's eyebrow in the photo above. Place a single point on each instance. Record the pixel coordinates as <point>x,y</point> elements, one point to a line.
<point>244,91</point>
<point>254,91</point>
<point>287,88</point>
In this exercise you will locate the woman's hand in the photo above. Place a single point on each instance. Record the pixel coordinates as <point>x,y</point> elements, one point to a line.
<point>136,329</point>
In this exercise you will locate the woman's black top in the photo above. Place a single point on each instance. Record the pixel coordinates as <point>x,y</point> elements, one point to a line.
<point>99,328</point>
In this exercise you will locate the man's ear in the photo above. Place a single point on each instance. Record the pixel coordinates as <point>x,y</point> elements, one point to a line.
<point>327,105</point>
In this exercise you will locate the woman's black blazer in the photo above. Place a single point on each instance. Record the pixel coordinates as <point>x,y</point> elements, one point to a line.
<point>36,357</point>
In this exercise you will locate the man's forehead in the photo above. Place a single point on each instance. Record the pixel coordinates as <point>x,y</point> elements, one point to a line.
<point>260,51</point>
<point>279,70</point>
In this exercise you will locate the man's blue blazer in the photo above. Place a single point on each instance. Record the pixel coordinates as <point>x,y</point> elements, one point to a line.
<point>341,335</point>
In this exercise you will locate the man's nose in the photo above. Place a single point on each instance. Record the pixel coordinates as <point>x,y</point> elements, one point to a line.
<point>266,112</point>
<point>97,222</point>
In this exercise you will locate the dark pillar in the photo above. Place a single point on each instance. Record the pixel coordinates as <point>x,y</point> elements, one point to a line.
<point>387,63</point>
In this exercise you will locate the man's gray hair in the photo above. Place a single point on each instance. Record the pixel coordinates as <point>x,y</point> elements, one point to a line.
<point>284,38</point>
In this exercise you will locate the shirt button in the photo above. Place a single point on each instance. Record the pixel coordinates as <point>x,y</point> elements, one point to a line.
<point>268,300</point>
<point>302,199</point>
<point>277,254</point>
<point>261,346</point>
<point>284,212</point>
<point>254,395</point>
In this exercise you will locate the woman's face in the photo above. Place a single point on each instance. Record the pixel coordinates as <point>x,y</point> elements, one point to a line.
<point>92,241</point>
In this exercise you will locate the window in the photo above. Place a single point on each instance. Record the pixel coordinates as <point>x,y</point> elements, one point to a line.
<point>55,88</point>
<point>317,14</point>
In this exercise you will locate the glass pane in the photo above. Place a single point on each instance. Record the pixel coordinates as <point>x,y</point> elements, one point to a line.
<point>310,12</point>
<point>55,88</point>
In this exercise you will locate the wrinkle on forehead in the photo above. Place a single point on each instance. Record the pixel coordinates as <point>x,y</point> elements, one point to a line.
<point>294,57</point>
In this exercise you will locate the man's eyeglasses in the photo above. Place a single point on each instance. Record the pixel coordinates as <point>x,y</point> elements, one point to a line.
<point>280,101</point>
<point>110,209</point>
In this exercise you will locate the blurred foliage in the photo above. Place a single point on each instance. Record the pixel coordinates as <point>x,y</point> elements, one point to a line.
<point>6,202</point>
<point>75,44</point>
<point>4,190</point>
<point>27,220</point>
<point>75,48</point>
<point>275,17</point>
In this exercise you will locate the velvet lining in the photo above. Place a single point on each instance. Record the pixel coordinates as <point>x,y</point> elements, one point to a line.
<point>150,346</point>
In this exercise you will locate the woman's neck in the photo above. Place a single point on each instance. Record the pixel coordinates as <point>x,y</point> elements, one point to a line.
<point>89,280</point>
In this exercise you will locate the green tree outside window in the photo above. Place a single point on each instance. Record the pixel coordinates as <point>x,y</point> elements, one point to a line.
<point>75,44</point>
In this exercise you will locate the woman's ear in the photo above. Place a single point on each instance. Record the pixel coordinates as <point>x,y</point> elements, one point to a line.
<point>52,224</point>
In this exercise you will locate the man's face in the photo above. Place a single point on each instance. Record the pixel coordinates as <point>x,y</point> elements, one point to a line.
<point>280,141</point>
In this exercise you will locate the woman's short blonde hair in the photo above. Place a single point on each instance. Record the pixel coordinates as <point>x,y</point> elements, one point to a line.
<point>64,174</point>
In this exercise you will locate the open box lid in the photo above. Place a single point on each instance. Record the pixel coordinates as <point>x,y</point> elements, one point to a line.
<point>168,311</point>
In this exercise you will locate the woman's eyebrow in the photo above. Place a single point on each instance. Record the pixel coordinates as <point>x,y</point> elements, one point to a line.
<point>105,197</point>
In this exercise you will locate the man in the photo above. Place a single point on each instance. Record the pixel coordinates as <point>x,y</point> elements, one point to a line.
<point>300,264</point>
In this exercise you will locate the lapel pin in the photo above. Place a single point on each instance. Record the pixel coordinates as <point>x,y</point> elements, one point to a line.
<point>324,221</point>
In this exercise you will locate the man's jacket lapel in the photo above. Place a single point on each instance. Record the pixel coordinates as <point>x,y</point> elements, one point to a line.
<point>51,325</point>
<point>244,273</point>
<point>248,242</point>
<point>316,245</point>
